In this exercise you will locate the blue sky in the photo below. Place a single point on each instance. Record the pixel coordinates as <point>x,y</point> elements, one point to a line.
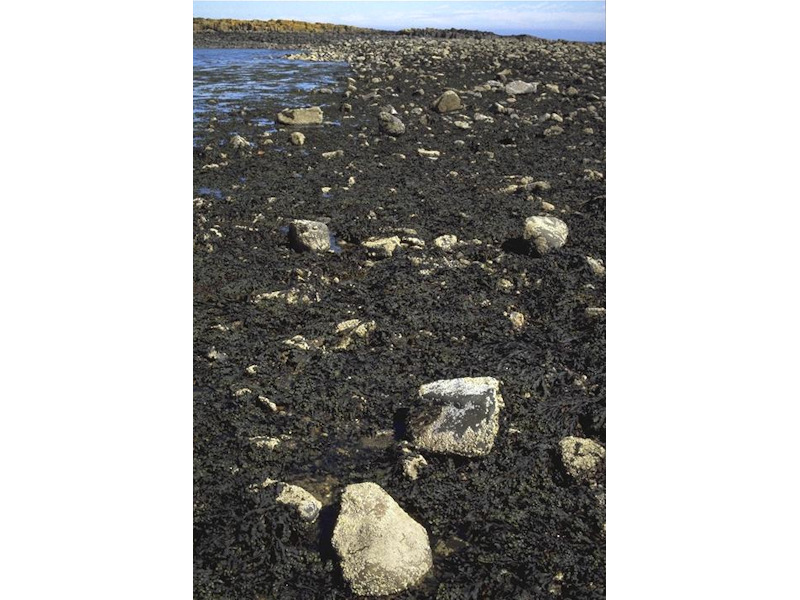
<point>575,20</point>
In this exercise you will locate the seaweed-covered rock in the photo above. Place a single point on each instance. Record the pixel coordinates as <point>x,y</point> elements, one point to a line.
<point>382,549</point>
<point>582,458</point>
<point>457,416</point>
<point>309,236</point>
<point>545,233</point>
<point>300,116</point>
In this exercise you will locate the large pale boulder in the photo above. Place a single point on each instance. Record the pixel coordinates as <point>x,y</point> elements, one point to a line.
<point>448,102</point>
<point>382,549</point>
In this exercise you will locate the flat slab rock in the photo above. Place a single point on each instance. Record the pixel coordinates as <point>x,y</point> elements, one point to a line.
<point>382,549</point>
<point>300,116</point>
<point>457,416</point>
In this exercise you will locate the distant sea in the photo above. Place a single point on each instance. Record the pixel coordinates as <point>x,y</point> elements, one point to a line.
<point>570,35</point>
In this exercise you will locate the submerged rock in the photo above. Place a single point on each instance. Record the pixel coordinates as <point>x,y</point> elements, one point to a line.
<point>382,549</point>
<point>545,233</point>
<point>309,236</point>
<point>457,416</point>
<point>300,116</point>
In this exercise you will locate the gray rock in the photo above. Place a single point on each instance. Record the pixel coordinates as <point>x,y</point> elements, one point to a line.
<point>457,416</point>
<point>297,138</point>
<point>382,549</point>
<point>390,124</point>
<point>333,154</point>
<point>309,236</point>
<point>448,102</point>
<point>517,88</point>
<point>554,130</point>
<point>583,459</point>
<point>545,233</point>
<point>301,116</point>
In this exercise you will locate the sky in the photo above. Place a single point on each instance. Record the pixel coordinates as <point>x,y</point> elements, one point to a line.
<point>576,20</point>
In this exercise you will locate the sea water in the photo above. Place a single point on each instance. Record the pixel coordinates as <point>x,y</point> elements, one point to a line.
<point>228,80</point>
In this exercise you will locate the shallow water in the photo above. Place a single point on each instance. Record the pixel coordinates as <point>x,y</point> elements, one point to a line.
<point>228,80</point>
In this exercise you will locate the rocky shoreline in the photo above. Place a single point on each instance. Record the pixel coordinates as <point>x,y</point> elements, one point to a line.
<point>437,223</point>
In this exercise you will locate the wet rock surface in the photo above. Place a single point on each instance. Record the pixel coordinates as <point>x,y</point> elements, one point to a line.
<point>506,524</point>
<point>457,416</point>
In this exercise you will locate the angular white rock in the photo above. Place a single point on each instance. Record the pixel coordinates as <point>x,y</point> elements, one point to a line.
<point>545,233</point>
